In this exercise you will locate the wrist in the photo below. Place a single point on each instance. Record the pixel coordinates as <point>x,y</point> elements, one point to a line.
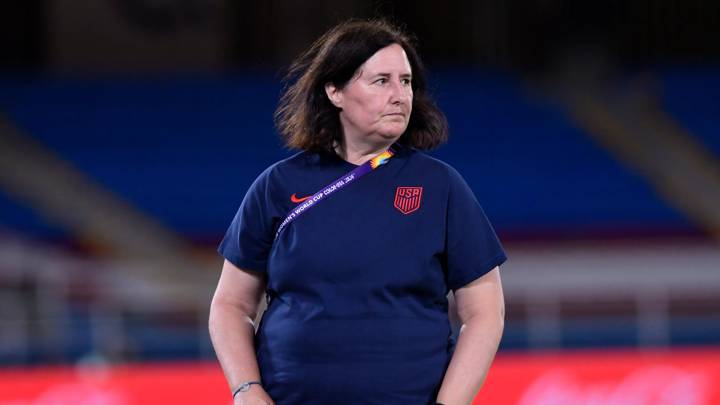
<point>244,387</point>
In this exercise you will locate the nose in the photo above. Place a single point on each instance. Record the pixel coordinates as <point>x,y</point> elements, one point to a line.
<point>398,92</point>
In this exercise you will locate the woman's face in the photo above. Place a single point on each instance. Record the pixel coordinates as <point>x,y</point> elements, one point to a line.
<point>377,101</point>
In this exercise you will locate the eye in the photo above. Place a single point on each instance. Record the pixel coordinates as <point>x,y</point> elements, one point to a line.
<point>381,80</point>
<point>406,81</point>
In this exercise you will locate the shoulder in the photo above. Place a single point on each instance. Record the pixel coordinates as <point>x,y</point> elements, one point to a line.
<point>298,160</point>
<point>284,166</point>
<point>423,161</point>
<point>271,187</point>
<point>297,173</point>
<point>441,174</point>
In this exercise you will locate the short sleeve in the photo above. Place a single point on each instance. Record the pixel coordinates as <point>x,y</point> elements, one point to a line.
<point>472,247</point>
<point>249,238</point>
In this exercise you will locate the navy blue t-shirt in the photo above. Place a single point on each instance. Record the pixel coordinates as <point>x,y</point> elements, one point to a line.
<point>358,283</point>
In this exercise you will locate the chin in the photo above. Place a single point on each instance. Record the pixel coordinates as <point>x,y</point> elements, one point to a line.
<point>394,132</point>
<point>391,135</point>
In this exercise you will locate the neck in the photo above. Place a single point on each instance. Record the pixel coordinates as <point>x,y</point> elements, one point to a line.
<point>358,153</point>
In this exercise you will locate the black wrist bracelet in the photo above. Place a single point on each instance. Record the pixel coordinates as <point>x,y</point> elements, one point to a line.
<point>245,387</point>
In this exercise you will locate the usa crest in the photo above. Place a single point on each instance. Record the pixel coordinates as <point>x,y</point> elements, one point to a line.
<point>407,199</point>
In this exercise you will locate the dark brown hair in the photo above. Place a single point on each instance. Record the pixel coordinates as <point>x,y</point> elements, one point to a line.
<point>305,117</point>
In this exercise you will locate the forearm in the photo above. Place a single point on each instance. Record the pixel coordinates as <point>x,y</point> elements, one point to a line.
<point>232,333</point>
<point>476,347</point>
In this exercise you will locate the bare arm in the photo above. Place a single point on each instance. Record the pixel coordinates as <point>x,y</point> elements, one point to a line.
<point>481,309</point>
<point>233,309</point>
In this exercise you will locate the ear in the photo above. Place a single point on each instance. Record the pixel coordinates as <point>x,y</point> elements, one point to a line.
<point>334,94</point>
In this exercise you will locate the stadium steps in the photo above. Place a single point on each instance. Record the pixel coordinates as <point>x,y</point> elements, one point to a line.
<point>631,125</point>
<point>96,217</point>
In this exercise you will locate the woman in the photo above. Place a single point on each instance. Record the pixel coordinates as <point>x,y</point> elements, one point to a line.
<point>357,240</point>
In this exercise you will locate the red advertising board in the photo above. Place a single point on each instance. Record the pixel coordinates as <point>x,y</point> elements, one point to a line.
<point>139,384</point>
<point>687,377</point>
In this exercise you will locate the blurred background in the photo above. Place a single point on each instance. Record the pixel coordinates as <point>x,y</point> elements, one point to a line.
<point>589,131</point>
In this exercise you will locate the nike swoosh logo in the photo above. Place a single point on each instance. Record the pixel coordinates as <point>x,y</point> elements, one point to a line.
<point>295,199</point>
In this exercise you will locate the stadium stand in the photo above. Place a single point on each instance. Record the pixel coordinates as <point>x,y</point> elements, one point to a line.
<point>180,152</point>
